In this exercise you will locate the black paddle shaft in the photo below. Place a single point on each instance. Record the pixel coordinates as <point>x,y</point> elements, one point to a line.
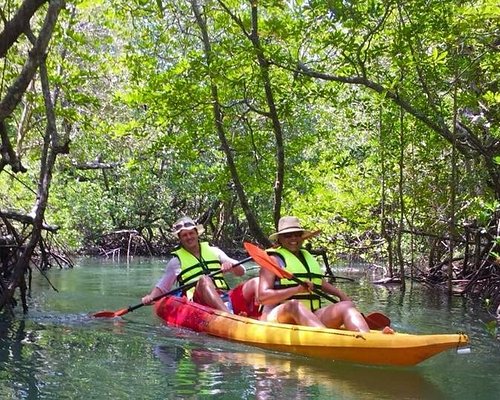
<point>186,286</point>
<point>314,290</point>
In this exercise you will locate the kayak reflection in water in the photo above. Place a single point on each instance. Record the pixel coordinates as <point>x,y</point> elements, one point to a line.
<point>192,261</point>
<point>286,302</point>
<point>195,370</point>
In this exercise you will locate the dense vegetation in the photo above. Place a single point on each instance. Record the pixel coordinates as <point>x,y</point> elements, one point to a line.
<point>374,121</point>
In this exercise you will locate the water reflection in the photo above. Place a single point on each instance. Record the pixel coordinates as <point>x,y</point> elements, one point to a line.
<point>270,376</point>
<point>58,351</point>
<point>17,359</point>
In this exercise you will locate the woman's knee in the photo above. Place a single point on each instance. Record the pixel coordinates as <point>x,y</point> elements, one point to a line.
<point>345,306</point>
<point>336,313</point>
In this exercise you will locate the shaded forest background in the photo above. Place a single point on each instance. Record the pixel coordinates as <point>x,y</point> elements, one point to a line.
<point>374,121</point>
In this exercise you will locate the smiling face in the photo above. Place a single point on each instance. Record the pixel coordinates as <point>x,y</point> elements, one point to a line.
<point>291,241</point>
<point>189,240</point>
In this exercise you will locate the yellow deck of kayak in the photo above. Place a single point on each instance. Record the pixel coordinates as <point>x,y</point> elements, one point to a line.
<point>333,344</point>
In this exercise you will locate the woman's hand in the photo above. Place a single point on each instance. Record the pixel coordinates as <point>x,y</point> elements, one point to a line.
<point>306,287</point>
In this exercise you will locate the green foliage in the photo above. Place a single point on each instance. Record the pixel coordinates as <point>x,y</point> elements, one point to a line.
<point>135,92</point>
<point>492,328</point>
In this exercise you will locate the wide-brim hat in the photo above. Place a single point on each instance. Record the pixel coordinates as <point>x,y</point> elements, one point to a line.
<point>186,224</point>
<point>289,224</point>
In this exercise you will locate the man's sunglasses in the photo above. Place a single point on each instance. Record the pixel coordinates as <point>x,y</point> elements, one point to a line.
<point>180,225</point>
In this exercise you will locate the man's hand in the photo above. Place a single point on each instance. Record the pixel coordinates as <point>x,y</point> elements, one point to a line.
<point>226,266</point>
<point>148,299</point>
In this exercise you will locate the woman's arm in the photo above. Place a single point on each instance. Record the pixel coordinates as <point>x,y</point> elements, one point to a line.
<point>268,295</point>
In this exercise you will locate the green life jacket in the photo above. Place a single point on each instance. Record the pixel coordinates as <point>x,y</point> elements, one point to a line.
<point>192,268</point>
<point>304,268</point>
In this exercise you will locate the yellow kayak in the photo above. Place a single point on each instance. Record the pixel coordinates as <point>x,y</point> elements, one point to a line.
<point>372,347</point>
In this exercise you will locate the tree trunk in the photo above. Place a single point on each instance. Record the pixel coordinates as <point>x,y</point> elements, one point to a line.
<point>218,117</point>
<point>49,150</point>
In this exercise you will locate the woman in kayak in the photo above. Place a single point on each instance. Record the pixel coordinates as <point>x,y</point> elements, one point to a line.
<point>192,261</point>
<point>286,302</point>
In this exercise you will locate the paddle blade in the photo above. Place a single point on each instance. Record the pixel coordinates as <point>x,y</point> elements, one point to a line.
<point>311,235</point>
<point>376,320</point>
<point>266,261</point>
<point>104,314</point>
<point>110,314</point>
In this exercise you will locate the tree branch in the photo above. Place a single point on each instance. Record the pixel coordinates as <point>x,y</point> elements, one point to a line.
<point>36,55</point>
<point>18,24</point>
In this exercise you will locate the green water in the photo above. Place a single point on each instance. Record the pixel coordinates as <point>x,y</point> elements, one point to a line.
<point>58,351</point>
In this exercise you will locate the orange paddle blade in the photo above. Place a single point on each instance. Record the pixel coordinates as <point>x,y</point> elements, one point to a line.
<point>109,314</point>
<point>311,235</point>
<point>376,320</point>
<point>265,260</point>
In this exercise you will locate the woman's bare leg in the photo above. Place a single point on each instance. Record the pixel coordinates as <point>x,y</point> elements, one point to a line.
<point>342,313</point>
<point>293,312</point>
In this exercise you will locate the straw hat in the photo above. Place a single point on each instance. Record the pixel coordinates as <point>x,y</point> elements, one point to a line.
<point>287,225</point>
<point>186,224</point>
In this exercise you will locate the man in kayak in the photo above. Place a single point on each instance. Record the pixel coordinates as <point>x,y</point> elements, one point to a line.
<point>193,261</point>
<point>286,302</point>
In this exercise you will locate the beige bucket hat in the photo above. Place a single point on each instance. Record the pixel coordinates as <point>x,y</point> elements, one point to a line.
<point>186,224</point>
<point>289,224</point>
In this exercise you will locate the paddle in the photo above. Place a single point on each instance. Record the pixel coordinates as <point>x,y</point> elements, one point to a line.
<point>123,311</point>
<point>374,320</point>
